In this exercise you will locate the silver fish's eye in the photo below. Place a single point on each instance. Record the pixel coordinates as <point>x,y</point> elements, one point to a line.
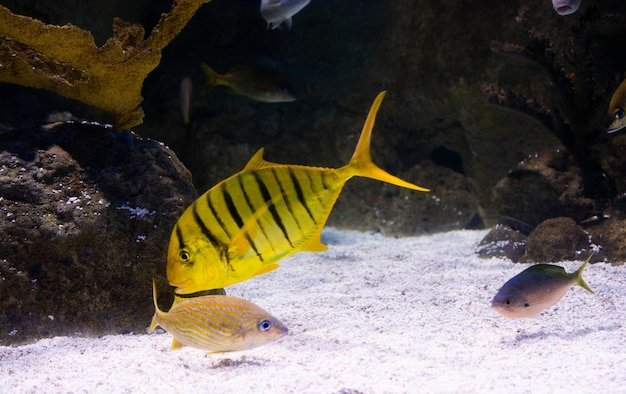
<point>185,256</point>
<point>265,325</point>
<point>619,114</point>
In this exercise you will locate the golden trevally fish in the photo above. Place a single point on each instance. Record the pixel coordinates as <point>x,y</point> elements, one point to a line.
<point>536,289</point>
<point>217,323</point>
<point>617,109</point>
<point>245,224</point>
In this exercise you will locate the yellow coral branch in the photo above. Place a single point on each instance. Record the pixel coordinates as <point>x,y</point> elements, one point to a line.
<point>65,59</point>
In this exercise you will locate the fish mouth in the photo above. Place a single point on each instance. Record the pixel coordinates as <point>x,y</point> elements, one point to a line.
<point>565,10</point>
<point>611,130</point>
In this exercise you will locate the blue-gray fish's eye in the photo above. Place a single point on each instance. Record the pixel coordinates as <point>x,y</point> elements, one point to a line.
<point>265,325</point>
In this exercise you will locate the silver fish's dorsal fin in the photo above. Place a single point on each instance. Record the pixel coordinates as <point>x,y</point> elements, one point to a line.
<point>257,162</point>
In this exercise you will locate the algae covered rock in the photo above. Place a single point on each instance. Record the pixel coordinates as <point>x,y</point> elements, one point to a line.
<point>85,219</point>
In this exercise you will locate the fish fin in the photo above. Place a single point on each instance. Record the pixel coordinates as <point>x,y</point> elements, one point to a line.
<point>176,345</point>
<point>154,323</point>
<point>579,275</point>
<point>257,162</point>
<point>315,244</point>
<point>361,163</point>
<point>287,23</point>
<point>241,242</point>
<point>266,269</point>
<point>212,78</point>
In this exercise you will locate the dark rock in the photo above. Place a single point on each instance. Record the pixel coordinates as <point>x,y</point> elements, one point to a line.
<point>85,219</point>
<point>556,239</point>
<point>614,161</point>
<point>544,186</point>
<point>503,241</point>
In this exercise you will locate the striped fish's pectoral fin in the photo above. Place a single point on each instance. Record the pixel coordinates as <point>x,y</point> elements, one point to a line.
<point>314,244</point>
<point>266,269</point>
<point>257,161</point>
<point>240,244</point>
<point>176,345</point>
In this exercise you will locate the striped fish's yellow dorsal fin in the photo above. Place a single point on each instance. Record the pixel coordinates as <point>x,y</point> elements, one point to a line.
<point>176,344</point>
<point>257,161</point>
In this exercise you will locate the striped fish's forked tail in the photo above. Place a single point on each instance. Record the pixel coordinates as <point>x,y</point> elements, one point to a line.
<point>361,163</point>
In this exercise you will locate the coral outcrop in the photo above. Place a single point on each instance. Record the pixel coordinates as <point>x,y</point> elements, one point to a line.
<point>65,59</point>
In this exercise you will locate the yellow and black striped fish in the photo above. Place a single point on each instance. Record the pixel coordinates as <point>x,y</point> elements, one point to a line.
<point>245,224</point>
<point>217,323</point>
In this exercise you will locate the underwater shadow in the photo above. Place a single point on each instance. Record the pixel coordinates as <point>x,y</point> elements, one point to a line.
<point>568,336</point>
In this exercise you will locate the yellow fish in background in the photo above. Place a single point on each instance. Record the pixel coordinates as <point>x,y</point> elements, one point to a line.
<point>256,82</point>
<point>217,323</point>
<point>617,109</point>
<point>245,224</point>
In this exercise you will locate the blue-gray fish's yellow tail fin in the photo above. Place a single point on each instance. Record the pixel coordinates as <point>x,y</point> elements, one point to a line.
<point>579,275</point>
<point>361,163</point>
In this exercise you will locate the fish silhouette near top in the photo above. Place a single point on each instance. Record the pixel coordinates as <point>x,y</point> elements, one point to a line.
<point>245,224</point>
<point>217,323</point>
<point>536,289</point>
<point>256,82</point>
<point>565,7</point>
<point>617,109</point>
<point>276,12</point>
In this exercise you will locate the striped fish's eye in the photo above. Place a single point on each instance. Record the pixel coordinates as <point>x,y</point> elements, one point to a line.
<point>185,256</point>
<point>265,325</point>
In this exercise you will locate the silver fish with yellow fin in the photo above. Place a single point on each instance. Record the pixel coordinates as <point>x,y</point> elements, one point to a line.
<point>245,224</point>
<point>256,82</point>
<point>217,323</point>
<point>617,109</point>
<point>536,289</point>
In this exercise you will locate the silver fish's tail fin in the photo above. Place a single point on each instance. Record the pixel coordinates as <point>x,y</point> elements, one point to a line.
<point>361,163</point>
<point>211,78</point>
<point>579,275</point>
<point>154,323</point>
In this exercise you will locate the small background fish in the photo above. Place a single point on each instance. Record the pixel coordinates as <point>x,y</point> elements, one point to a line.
<point>256,82</point>
<point>535,289</point>
<point>276,12</point>
<point>217,323</point>
<point>184,98</point>
<point>565,7</point>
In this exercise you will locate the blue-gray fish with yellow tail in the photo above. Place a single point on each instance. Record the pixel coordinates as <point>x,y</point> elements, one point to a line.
<point>245,224</point>
<point>536,289</point>
<point>217,323</point>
